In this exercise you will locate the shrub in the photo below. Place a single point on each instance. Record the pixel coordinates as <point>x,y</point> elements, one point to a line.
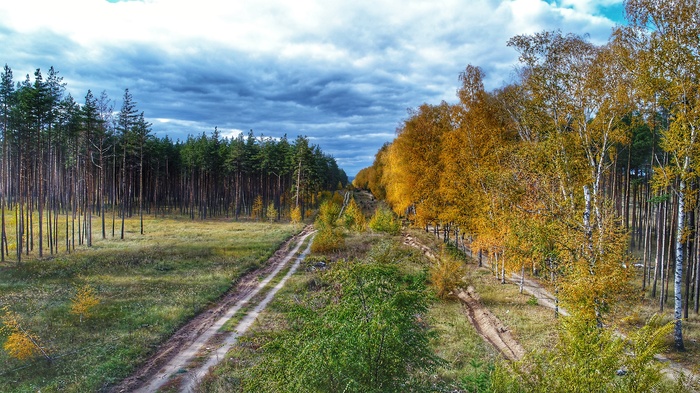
<point>21,343</point>
<point>271,212</point>
<point>385,221</point>
<point>446,275</point>
<point>84,301</point>
<point>589,358</point>
<point>328,238</point>
<point>361,333</point>
<point>353,218</point>
<point>295,215</point>
<point>327,215</point>
<point>257,211</point>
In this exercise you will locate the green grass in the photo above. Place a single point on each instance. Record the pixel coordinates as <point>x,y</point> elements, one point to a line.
<point>148,285</point>
<point>457,342</point>
<point>532,325</point>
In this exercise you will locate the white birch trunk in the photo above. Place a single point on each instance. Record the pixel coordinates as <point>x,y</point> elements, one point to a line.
<point>678,276</point>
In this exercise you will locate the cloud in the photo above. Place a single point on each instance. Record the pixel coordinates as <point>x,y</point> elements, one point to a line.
<point>342,73</point>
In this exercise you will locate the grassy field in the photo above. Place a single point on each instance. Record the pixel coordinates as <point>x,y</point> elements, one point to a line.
<point>467,357</point>
<point>147,286</point>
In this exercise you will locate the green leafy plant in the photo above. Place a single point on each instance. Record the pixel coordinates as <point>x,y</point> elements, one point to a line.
<point>363,333</point>
<point>384,220</point>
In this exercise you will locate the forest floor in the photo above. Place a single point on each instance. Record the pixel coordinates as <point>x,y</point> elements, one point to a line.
<point>178,364</point>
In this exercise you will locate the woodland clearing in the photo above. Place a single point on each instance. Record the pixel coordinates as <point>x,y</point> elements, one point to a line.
<point>147,286</point>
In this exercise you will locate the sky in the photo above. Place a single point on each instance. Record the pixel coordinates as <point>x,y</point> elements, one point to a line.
<point>342,73</point>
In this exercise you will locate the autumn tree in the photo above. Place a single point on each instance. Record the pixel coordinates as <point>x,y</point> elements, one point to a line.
<point>413,168</point>
<point>581,91</point>
<point>668,38</point>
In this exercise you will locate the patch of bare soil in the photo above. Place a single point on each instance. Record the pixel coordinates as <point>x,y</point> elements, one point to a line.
<point>191,331</point>
<point>544,298</point>
<point>409,240</point>
<point>489,327</point>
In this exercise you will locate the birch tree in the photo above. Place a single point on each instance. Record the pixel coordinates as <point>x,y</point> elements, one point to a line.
<point>668,36</point>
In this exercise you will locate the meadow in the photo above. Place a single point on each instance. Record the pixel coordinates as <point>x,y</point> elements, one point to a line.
<point>146,286</point>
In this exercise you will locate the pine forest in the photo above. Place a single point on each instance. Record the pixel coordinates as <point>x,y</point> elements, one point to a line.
<point>71,161</point>
<point>539,236</point>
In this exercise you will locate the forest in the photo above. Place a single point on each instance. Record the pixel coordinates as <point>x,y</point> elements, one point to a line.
<point>70,161</point>
<point>582,171</point>
<point>580,174</point>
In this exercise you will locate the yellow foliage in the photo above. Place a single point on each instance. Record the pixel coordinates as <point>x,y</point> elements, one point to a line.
<point>21,344</point>
<point>384,221</point>
<point>271,212</point>
<point>295,216</point>
<point>327,240</point>
<point>257,211</point>
<point>84,301</point>
<point>353,217</point>
<point>446,275</point>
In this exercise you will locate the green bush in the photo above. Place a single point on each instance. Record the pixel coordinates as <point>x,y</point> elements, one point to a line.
<point>362,333</point>
<point>589,358</point>
<point>385,221</point>
<point>353,218</point>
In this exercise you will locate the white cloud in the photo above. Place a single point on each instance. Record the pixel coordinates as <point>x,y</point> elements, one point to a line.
<point>348,68</point>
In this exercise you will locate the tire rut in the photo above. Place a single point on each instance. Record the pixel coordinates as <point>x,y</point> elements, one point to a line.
<point>191,333</point>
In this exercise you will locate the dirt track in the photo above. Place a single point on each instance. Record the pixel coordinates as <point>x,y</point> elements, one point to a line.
<point>200,335</point>
<point>489,327</point>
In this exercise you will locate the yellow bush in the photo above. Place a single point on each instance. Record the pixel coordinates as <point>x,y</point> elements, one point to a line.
<point>353,217</point>
<point>257,212</point>
<point>20,346</point>
<point>21,343</point>
<point>84,301</point>
<point>271,212</point>
<point>384,221</point>
<point>295,216</point>
<point>328,240</point>
<point>446,275</point>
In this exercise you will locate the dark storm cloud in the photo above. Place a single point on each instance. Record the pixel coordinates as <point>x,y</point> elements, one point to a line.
<point>342,74</point>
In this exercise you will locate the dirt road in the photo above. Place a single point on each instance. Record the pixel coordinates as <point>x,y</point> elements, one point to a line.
<point>487,325</point>
<point>544,298</point>
<point>186,357</point>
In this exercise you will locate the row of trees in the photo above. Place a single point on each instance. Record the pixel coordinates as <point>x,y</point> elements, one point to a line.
<point>63,162</point>
<point>553,171</point>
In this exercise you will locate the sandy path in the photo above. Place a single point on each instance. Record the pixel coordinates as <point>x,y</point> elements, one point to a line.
<point>487,325</point>
<point>189,341</point>
<point>192,378</point>
<point>544,298</point>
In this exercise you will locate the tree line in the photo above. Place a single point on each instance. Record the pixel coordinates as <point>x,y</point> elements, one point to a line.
<point>63,163</point>
<point>588,155</point>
